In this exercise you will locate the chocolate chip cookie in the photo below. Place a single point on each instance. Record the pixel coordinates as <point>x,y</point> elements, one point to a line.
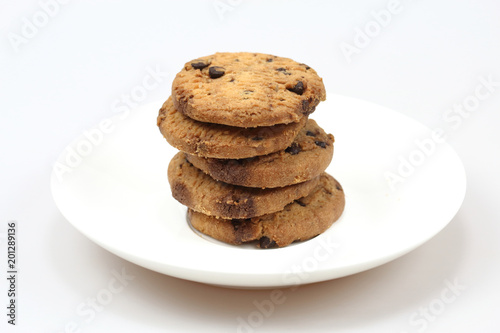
<point>306,158</point>
<point>247,90</point>
<point>300,220</point>
<point>221,141</point>
<point>200,192</point>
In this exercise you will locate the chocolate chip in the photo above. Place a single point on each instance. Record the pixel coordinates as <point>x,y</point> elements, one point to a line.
<point>216,72</point>
<point>257,138</point>
<point>269,60</point>
<point>307,67</point>
<point>198,64</point>
<point>320,144</point>
<point>309,133</point>
<point>307,108</point>
<point>298,88</point>
<point>300,203</point>
<point>266,243</point>
<point>294,149</point>
<point>283,70</point>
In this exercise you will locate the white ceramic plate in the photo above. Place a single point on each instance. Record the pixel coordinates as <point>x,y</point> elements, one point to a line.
<point>111,184</point>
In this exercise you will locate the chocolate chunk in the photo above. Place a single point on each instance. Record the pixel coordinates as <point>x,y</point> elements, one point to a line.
<point>307,108</point>
<point>298,88</point>
<point>307,67</point>
<point>269,60</point>
<point>216,72</point>
<point>320,144</point>
<point>257,138</point>
<point>294,149</point>
<point>266,243</point>
<point>198,64</point>
<point>283,70</point>
<point>309,133</point>
<point>300,203</point>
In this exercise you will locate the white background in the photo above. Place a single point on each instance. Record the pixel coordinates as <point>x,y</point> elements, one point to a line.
<point>74,70</point>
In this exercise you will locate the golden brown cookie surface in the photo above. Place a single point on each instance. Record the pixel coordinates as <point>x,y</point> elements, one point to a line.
<point>307,157</point>
<point>221,141</point>
<point>247,89</point>
<point>300,220</point>
<point>200,192</point>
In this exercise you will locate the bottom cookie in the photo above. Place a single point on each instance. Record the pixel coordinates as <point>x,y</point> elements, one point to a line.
<point>300,220</point>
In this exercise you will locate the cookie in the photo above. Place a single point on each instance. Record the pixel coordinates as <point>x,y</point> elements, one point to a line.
<point>221,141</point>
<point>307,157</point>
<point>247,89</point>
<point>200,192</point>
<point>298,221</point>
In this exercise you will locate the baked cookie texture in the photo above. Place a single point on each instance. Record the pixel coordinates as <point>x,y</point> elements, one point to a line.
<point>221,141</point>
<point>300,220</point>
<point>247,90</point>
<point>305,158</point>
<point>200,192</point>
<point>251,166</point>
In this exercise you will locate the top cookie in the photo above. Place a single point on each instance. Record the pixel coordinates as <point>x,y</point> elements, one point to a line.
<point>247,89</point>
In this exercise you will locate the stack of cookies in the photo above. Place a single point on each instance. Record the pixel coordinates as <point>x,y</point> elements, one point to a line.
<point>251,166</point>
